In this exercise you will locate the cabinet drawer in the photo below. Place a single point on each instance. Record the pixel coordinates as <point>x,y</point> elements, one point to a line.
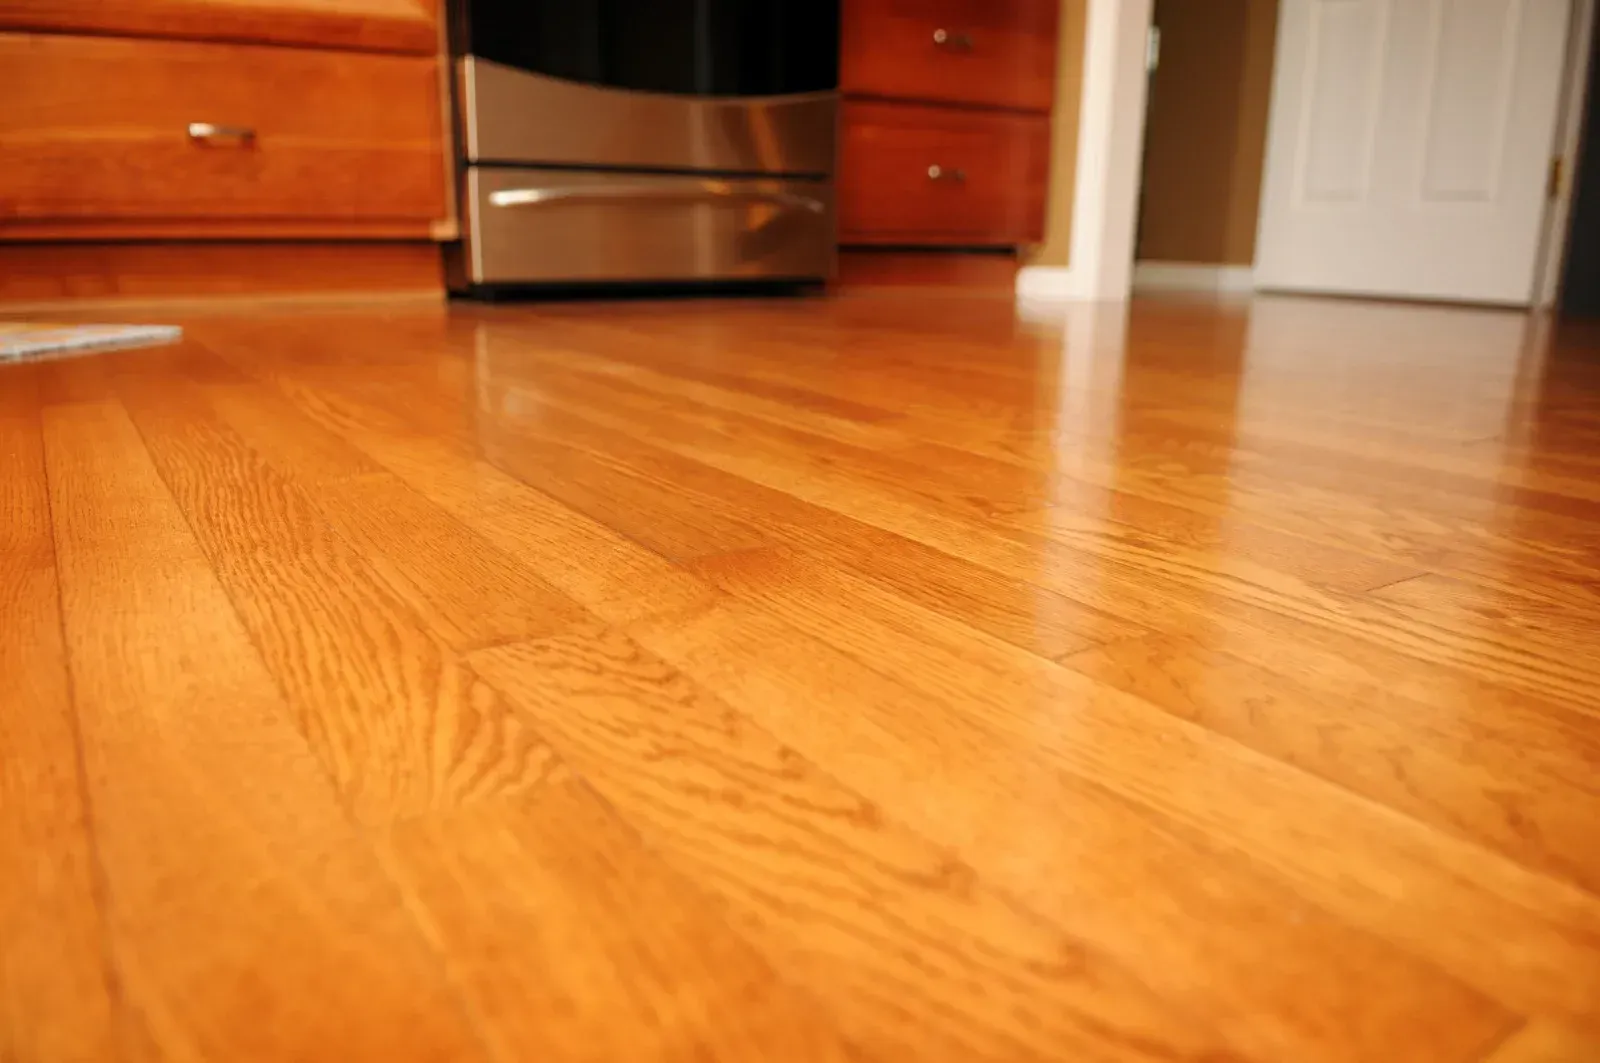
<point>141,132</point>
<point>915,174</point>
<point>999,53</point>
<point>364,25</point>
<point>531,225</point>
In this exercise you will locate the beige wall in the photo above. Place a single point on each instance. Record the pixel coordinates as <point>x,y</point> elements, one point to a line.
<point>1063,138</point>
<point>1206,135</point>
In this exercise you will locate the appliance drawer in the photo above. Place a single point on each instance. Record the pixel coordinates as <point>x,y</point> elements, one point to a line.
<point>530,225</point>
<point>998,53</point>
<point>102,132</point>
<point>915,174</point>
<point>516,116</point>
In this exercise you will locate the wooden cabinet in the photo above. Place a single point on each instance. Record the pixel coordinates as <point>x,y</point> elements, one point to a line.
<point>108,135</point>
<point>942,175</point>
<point>203,133</point>
<point>363,25</point>
<point>946,131</point>
<point>993,53</point>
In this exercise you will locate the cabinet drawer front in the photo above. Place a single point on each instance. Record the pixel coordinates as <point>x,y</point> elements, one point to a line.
<point>936,175</point>
<point>158,131</point>
<point>1000,53</point>
<point>371,25</point>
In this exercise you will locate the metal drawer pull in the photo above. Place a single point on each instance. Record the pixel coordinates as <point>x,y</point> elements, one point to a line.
<point>955,42</point>
<point>717,190</point>
<point>939,173</point>
<point>216,134</point>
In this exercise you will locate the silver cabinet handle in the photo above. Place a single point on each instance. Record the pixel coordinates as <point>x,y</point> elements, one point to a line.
<point>713,190</point>
<point>955,42</point>
<point>939,173</point>
<point>208,133</point>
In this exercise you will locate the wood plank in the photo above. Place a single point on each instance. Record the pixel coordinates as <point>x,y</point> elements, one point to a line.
<point>608,573</point>
<point>1183,683</point>
<point>421,734</point>
<point>1143,591</point>
<point>1278,977</point>
<point>1541,1041</point>
<point>683,767</point>
<point>57,999</point>
<point>1518,777</point>
<point>681,489</point>
<point>684,509</point>
<point>222,842</point>
<point>396,721</point>
<point>1298,827</point>
<point>466,590</point>
<point>523,899</point>
<point>981,486</point>
<point>1144,584</point>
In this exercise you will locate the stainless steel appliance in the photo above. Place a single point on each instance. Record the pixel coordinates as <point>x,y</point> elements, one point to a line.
<point>645,140</point>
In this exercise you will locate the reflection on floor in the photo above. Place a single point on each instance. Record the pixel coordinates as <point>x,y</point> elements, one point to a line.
<point>874,677</point>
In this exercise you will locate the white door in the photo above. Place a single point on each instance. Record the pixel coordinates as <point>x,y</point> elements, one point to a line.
<point>1409,147</point>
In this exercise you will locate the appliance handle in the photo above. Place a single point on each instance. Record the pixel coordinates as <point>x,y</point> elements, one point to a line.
<point>715,190</point>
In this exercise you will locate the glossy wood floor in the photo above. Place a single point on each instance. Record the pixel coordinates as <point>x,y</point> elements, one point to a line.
<point>878,677</point>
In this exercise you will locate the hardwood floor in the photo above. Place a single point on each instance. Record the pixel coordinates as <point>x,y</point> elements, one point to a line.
<point>871,677</point>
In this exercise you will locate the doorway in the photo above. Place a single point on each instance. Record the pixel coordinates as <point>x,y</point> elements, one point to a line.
<point>1196,216</point>
<point>1205,143</point>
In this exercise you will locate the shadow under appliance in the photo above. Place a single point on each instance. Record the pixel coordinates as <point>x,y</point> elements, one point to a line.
<point>645,140</point>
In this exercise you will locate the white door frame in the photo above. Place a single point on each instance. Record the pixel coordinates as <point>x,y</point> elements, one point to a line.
<point>1105,198</point>
<point>1569,142</point>
<point>1111,115</point>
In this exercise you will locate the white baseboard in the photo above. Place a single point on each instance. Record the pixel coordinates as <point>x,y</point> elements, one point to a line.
<point>1050,284</point>
<point>1060,284</point>
<point>1193,277</point>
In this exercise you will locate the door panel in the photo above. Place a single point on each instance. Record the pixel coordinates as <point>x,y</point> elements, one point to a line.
<point>1409,147</point>
<point>1474,65</point>
<point>1345,77</point>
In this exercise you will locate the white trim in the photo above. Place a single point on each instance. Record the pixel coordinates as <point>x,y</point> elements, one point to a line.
<point>1111,119</point>
<point>1569,142</point>
<point>1046,284</point>
<point>1105,197</point>
<point>1193,277</point>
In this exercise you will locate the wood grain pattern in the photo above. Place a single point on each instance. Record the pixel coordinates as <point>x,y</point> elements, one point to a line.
<point>335,136</point>
<point>210,811</point>
<point>961,89</point>
<point>466,590</point>
<point>39,274</point>
<point>1547,1042</point>
<point>395,720</point>
<point>949,776</point>
<point>1387,745</point>
<point>993,54</point>
<point>376,25</point>
<point>675,761</point>
<point>57,999</point>
<point>522,900</point>
<point>994,171</point>
<point>878,676</point>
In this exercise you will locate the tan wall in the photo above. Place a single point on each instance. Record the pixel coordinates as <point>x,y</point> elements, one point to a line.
<point>1063,138</point>
<point>1205,140</point>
